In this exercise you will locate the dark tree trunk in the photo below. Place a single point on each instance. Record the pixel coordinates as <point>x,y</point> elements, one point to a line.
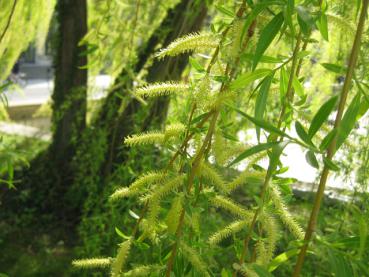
<point>69,96</point>
<point>51,173</point>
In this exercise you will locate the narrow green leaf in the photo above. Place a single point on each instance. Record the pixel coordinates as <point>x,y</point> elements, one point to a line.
<point>121,234</point>
<point>275,155</point>
<point>330,164</point>
<point>304,19</point>
<point>266,37</point>
<point>247,78</point>
<point>299,89</point>
<point>363,232</point>
<point>253,150</point>
<point>311,159</point>
<point>348,121</point>
<point>333,67</point>
<point>322,25</point>
<point>225,11</point>
<point>290,7</point>
<point>283,83</point>
<point>262,124</point>
<point>327,140</point>
<point>261,101</point>
<point>321,116</point>
<point>282,258</point>
<point>261,271</point>
<point>302,133</point>
<point>196,65</point>
<point>339,264</point>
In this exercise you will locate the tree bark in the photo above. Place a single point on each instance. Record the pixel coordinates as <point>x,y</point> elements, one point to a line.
<point>69,96</point>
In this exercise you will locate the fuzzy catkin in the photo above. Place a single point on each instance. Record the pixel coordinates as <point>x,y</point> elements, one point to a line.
<point>209,173</point>
<point>284,214</point>
<point>174,213</point>
<point>228,231</point>
<point>188,43</point>
<point>232,207</point>
<point>161,89</point>
<point>194,258</point>
<point>143,270</point>
<point>120,259</point>
<point>92,263</point>
<point>138,186</point>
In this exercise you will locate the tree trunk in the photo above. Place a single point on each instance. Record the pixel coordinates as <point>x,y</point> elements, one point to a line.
<point>51,173</point>
<point>69,96</point>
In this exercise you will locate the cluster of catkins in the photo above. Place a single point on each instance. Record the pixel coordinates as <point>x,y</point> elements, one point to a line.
<point>156,188</point>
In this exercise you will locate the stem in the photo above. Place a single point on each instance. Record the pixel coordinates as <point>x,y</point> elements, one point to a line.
<point>332,147</point>
<point>8,22</point>
<point>203,149</point>
<point>289,95</point>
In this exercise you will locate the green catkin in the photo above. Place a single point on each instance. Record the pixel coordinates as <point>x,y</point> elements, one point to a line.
<point>143,270</point>
<point>284,214</point>
<point>167,187</point>
<point>145,138</point>
<point>236,30</point>
<point>138,186</point>
<point>174,130</point>
<point>92,263</point>
<point>120,259</point>
<point>228,231</point>
<point>188,43</point>
<point>160,89</point>
<point>174,213</point>
<point>209,173</point>
<point>202,93</point>
<point>261,253</point>
<point>148,231</point>
<point>195,222</point>
<point>194,258</point>
<point>153,137</point>
<point>246,177</point>
<point>270,226</point>
<point>232,207</point>
<point>247,272</point>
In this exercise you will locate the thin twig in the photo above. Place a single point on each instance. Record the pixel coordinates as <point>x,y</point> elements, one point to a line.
<point>9,20</point>
<point>332,147</point>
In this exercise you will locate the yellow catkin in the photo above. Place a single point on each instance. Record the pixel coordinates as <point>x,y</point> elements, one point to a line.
<point>173,215</point>
<point>209,173</point>
<point>228,231</point>
<point>145,138</point>
<point>284,214</point>
<point>120,259</point>
<point>194,258</point>
<point>188,43</point>
<point>246,177</point>
<point>167,187</point>
<point>232,207</point>
<point>261,253</point>
<point>174,130</point>
<point>143,270</point>
<point>138,186</point>
<point>236,37</point>
<point>160,89</point>
<point>202,93</point>
<point>92,263</point>
<point>270,226</point>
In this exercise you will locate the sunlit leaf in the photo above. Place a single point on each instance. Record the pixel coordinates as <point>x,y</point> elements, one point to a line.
<point>266,37</point>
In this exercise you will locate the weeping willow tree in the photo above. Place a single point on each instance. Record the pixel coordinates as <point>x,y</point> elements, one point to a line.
<point>22,22</point>
<point>231,88</point>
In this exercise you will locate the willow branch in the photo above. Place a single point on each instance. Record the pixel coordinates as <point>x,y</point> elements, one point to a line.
<point>332,147</point>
